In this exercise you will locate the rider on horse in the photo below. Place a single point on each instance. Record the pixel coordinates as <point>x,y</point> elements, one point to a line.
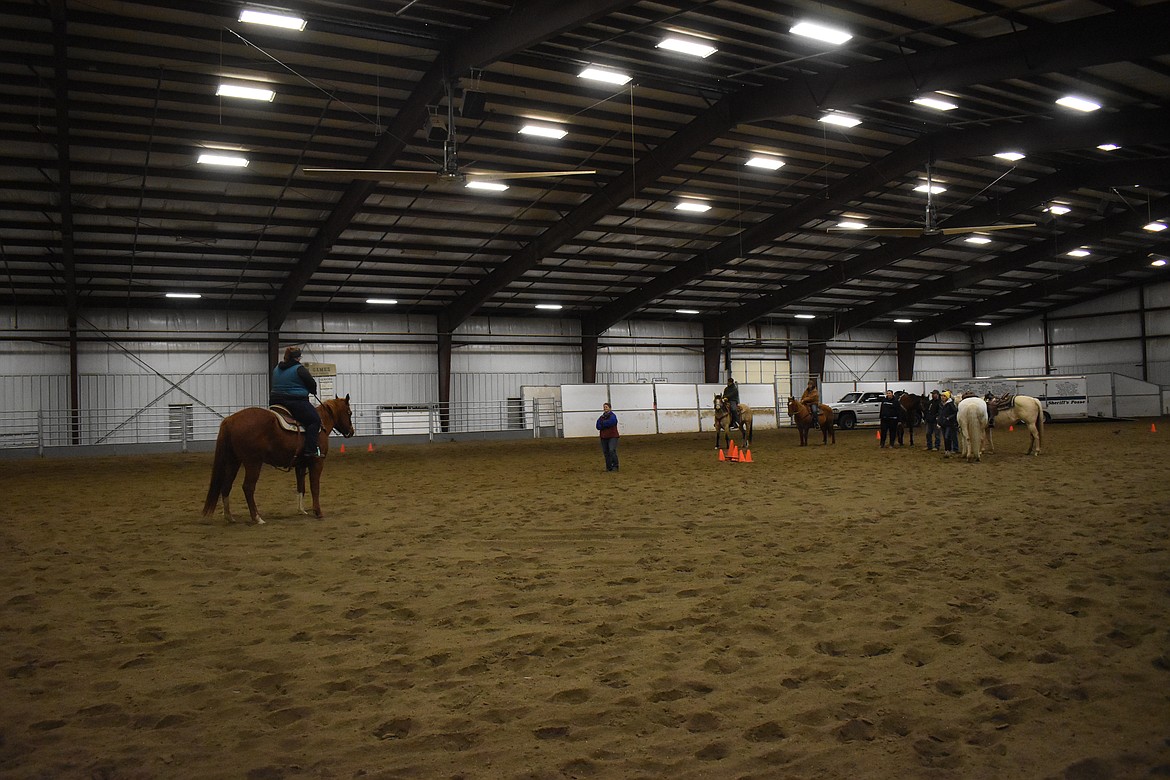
<point>811,398</point>
<point>731,394</point>
<point>292,384</point>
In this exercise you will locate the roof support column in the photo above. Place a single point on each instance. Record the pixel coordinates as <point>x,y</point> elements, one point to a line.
<point>588,358</point>
<point>906,347</point>
<point>818,347</point>
<point>712,341</point>
<point>444,355</point>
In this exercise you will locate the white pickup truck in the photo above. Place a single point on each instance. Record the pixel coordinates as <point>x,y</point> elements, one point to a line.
<point>857,408</point>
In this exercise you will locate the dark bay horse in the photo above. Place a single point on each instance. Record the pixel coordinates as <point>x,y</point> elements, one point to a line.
<point>254,436</point>
<point>804,420</point>
<point>909,414</point>
<point>723,421</point>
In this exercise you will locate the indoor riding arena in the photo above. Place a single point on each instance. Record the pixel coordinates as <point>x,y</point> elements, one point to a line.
<point>546,298</point>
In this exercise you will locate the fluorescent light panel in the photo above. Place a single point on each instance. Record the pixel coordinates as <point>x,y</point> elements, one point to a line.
<point>938,104</point>
<point>382,301</point>
<point>691,46</point>
<point>983,323</point>
<point>806,316</point>
<point>844,120</point>
<point>544,131</point>
<point>820,32</point>
<point>1108,147</point>
<point>1010,156</point>
<point>223,159</point>
<point>601,74</point>
<point>1058,210</point>
<point>686,311</point>
<point>935,189</point>
<point>1078,253</point>
<point>1155,227</point>
<point>184,295</point>
<point>978,240</point>
<point>903,320</point>
<point>248,93</point>
<point>852,225</point>
<point>763,161</point>
<point>549,306</point>
<point>287,21</point>
<point>692,205</point>
<point>1159,262</point>
<point>1077,103</point>
<point>494,186</point>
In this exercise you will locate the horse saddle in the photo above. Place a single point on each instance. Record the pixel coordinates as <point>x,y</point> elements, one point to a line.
<point>285,418</point>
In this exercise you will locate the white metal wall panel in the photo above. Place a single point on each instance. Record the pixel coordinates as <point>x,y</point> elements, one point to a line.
<point>1116,326</point>
<point>1123,300</point>
<point>635,407</point>
<point>677,406</point>
<point>1008,362</point>
<point>581,405</point>
<point>1030,331</point>
<point>1157,295</point>
<point>1135,398</point>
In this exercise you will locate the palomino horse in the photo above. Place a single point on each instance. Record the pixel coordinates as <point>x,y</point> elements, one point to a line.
<point>972,427</point>
<point>252,437</point>
<point>1010,409</point>
<point>723,421</point>
<point>804,420</point>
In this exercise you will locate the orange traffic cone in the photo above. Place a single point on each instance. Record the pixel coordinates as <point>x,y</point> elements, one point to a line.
<point>747,456</point>
<point>1153,428</point>
<point>721,457</point>
<point>877,435</point>
<point>1011,427</point>
<point>370,447</point>
<point>732,450</point>
<point>342,450</point>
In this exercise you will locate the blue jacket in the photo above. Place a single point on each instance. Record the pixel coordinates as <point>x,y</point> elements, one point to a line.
<point>292,380</point>
<point>607,424</point>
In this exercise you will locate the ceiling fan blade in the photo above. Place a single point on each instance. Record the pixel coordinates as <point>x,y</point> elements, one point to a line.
<point>373,174</point>
<point>955,231</point>
<point>504,176</point>
<point>898,232</point>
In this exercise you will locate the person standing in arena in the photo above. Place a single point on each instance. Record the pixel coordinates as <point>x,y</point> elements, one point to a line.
<point>607,423</point>
<point>949,419</point>
<point>292,384</point>
<point>889,416</point>
<point>930,414</point>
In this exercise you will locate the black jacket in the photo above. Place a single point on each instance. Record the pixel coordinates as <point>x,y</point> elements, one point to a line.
<point>949,414</point>
<point>889,409</point>
<point>931,410</point>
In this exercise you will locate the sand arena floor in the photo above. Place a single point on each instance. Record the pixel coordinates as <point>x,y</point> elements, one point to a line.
<point>510,610</point>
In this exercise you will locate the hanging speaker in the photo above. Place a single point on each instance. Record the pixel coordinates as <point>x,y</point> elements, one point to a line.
<point>474,104</point>
<point>436,128</point>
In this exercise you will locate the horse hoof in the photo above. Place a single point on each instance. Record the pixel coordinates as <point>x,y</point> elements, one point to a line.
<point>259,520</point>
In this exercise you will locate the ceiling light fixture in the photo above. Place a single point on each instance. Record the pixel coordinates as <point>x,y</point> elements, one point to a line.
<point>983,323</point>
<point>937,104</point>
<point>549,306</point>
<point>977,240</point>
<point>820,32</point>
<point>852,225</point>
<point>184,295</point>
<point>1057,209</point>
<point>382,301</point>
<point>686,311</point>
<point>1155,227</point>
<point>1010,156</point>
<point>843,120</point>
<point>494,186</point>
<point>934,189</point>
<point>1077,103</point>
<point>1078,253</point>
<point>1108,147</point>
<point>1161,261</point>
<point>247,93</point>
<point>544,131</point>
<point>223,159</point>
<point>761,161</point>
<point>805,316</point>
<point>691,46</point>
<point>287,21</point>
<point>692,205</point>
<point>903,321</point>
<point>594,73</point>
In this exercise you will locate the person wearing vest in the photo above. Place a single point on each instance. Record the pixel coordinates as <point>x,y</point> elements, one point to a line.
<point>607,423</point>
<point>292,384</point>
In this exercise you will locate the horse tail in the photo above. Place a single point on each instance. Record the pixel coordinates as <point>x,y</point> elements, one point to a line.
<point>219,469</point>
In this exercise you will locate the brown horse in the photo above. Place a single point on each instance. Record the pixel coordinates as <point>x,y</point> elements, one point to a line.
<point>804,420</point>
<point>252,437</point>
<point>723,421</point>
<point>909,414</point>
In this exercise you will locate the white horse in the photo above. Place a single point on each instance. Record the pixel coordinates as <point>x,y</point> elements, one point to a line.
<point>1012,410</point>
<point>972,427</point>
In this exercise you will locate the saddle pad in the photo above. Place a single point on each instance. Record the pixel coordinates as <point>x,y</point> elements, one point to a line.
<point>284,416</point>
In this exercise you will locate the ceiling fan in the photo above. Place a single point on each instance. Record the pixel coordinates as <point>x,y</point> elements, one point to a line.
<point>449,172</point>
<point>930,223</point>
